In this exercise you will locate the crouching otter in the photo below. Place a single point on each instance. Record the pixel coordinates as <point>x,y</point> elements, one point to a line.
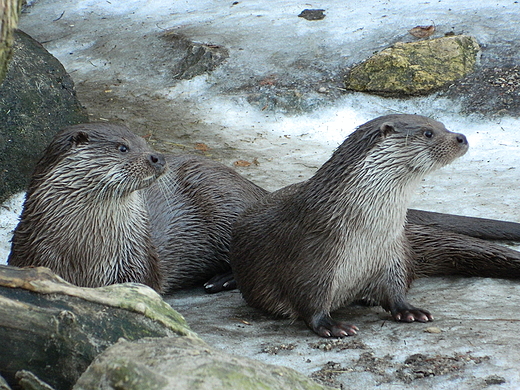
<point>103,208</point>
<point>312,247</point>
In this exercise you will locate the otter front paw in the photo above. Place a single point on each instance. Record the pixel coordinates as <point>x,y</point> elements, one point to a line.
<point>412,314</point>
<point>325,326</point>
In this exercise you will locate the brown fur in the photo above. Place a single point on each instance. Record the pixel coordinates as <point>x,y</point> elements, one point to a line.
<point>338,237</point>
<point>97,214</point>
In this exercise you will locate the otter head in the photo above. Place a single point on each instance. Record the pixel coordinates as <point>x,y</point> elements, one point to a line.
<point>421,143</point>
<point>101,159</point>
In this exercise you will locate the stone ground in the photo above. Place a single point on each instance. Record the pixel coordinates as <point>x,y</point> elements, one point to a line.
<point>470,345</point>
<point>279,99</point>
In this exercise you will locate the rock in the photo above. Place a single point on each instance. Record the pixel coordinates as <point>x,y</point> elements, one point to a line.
<point>193,59</point>
<point>54,329</point>
<point>28,381</point>
<point>415,68</point>
<point>184,363</point>
<point>494,380</point>
<point>312,14</point>
<point>37,99</point>
<point>3,384</point>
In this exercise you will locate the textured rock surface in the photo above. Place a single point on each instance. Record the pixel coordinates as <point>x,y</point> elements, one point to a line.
<point>184,363</point>
<point>54,329</point>
<point>37,99</point>
<point>3,384</point>
<point>415,68</point>
<point>190,59</point>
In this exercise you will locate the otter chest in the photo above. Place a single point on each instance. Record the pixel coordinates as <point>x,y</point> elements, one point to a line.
<point>363,260</point>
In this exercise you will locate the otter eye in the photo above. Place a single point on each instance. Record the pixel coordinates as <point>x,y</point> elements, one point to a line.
<point>123,148</point>
<point>428,134</point>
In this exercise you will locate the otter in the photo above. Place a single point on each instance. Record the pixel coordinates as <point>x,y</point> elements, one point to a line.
<point>102,207</point>
<point>340,236</point>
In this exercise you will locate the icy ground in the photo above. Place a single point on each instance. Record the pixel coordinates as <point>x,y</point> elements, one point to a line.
<point>277,100</point>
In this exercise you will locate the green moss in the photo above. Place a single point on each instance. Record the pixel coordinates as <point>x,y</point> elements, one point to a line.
<point>128,375</point>
<point>415,68</point>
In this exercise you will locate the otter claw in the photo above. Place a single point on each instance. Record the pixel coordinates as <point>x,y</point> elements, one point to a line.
<point>326,327</point>
<point>412,315</point>
<point>340,330</point>
<point>221,282</point>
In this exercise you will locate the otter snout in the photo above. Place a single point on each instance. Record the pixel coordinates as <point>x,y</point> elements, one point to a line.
<point>462,143</point>
<point>461,139</point>
<point>158,162</point>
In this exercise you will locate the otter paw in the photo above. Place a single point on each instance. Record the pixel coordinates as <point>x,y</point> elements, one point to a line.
<point>222,282</point>
<point>412,315</point>
<point>341,329</point>
<point>325,326</point>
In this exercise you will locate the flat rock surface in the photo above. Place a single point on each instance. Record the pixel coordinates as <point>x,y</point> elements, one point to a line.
<point>472,338</point>
<point>184,363</point>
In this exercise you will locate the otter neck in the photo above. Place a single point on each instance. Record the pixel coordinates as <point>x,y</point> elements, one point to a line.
<point>106,239</point>
<point>372,195</point>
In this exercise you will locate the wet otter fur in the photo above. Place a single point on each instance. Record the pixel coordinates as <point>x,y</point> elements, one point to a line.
<point>103,208</point>
<point>312,247</point>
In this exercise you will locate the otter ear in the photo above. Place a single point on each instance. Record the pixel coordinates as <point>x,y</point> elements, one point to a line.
<point>79,138</point>
<point>63,143</point>
<point>387,128</point>
<point>60,145</point>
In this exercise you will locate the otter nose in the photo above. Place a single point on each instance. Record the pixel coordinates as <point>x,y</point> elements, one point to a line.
<point>157,161</point>
<point>461,139</point>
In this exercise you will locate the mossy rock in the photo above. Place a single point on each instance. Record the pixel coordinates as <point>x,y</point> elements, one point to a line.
<point>37,99</point>
<point>54,329</point>
<point>184,363</point>
<point>415,68</point>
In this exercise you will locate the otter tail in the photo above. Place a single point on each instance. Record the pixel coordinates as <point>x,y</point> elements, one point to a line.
<point>439,252</point>
<point>486,229</point>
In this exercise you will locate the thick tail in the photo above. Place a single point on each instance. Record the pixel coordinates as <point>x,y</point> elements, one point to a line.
<point>438,252</point>
<point>486,229</point>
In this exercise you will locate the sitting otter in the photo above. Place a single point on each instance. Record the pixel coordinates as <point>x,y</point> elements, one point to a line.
<point>341,236</point>
<point>103,208</point>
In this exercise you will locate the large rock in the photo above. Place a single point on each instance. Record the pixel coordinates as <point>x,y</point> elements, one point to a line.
<point>51,331</point>
<point>184,363</point>
<point>54,330</point>
<point>415,68</point>
<point>37,99</point>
